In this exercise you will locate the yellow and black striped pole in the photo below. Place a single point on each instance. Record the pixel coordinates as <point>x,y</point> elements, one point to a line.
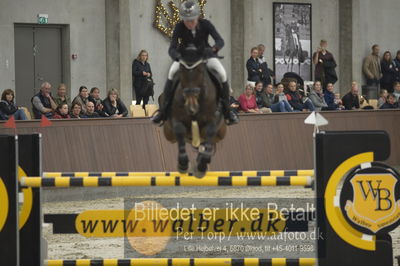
<point>209,173</point>
<point>187,262</point>
<point>133,181</point>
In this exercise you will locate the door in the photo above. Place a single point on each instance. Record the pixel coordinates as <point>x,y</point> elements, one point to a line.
<point>38,58</point>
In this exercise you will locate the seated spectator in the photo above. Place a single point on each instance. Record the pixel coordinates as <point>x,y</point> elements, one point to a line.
<point>94,97</point>
<point>43,103</point>
<point>390,103</point>
<point>317,97</point>
<point>247,101</point>
<point>113,106</point>
<point>383,94</point>
<point>280,98</point>
<point>351,100</point>
<point>90,111</point>
<point>331,99</point>
<point>396,89</point>
<point>82,98</point>
<point>61,96</point>
<point>76,110</point>
<point>62,112</point>
<point>263,101</point>
<point>234,104</point>
<point>298,103</point>
<point>8,107</point>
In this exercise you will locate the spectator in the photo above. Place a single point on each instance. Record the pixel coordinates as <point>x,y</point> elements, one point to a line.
<point>325,65</point>
<point>94,97</point>
<point>234,104</point>
<point>8,107</point>
<point>388,72</point>
<point>90,111</point>
<point>372,67</point>
<point>113,106</point>
<point>390,102</point>
<point>82,98</point>
<point>247,101</point>
<point>266,73</point>
<point>383,94</point>
<point>141,71</point>
<point>298,103</point>
<point>317,97</point>
<point>253,66</point>
<point>263,101</point>
<point>280,98</point>
<point>330,98</point>
<point>76,110</point>
<point>396,62</point>
<point>43,103</point>
<point>61,96</point>
<point>351,100</point>
<point>62,112</point>
<point>396,90</point>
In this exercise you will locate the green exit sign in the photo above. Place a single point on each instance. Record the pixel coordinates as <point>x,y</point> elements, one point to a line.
<point>43,18</point>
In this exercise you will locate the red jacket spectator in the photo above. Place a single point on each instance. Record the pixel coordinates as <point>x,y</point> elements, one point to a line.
<point>247,101</point>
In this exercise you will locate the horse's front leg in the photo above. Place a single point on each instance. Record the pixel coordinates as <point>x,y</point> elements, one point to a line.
<point>205,151</point>
<point>180,134</point>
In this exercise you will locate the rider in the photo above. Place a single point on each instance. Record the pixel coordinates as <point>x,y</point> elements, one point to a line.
<point>195,31</point>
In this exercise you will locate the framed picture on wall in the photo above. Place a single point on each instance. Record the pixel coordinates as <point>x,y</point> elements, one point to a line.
<point>292,40</point>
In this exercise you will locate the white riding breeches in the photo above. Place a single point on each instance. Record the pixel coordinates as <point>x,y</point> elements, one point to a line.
<point>213,64</point>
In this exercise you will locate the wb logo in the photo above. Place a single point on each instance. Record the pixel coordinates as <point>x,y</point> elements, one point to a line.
<point>374,205</point>
<point>380,195</point>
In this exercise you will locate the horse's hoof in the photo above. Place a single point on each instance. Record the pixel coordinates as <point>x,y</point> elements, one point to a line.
<point>195,171</point>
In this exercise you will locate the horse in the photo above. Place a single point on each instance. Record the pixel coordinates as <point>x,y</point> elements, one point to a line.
<point>196,115</point>
<point>293,48</point>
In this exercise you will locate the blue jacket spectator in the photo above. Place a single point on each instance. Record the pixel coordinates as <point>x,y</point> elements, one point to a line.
<point>43,103</point>
<point>253,66</point>
<point>296,100</point>
<point>390,103</point>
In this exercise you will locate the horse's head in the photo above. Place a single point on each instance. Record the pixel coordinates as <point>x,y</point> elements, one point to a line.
<point>192,71</point>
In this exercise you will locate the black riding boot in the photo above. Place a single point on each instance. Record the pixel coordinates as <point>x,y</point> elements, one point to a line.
<point>226,106</point>
<point>161,115</point>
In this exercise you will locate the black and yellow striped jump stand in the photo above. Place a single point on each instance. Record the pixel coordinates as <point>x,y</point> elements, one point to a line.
<point>187,262</point>
<point>336,154</point>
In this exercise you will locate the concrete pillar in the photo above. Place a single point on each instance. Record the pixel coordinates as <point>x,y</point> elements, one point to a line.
<point>118,48</point>
<point>237,44</point>
<point>345,45</point>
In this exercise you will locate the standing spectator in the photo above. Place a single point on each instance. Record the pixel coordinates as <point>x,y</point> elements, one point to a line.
<point>76,110</point>
<point>372,67</point>
<point>396,62</point>
<point>266,73</point>
<point>141,71</point>
<point>61,96</point>
<point>396,89</point>
<point>325,65</point>
<point>333,102</point>
<point>383,94</point>
<point>253,66</point>
<point>317,97</point>
<point>351,100</point>
<point>390,102</point>
<point>113,106</point>
<point>388,72</point>
<point>82,98</point>
<point>247,101</point>
<point>298,103</point>
<point>62,112</point>
<point>90,111</point>
<point>94,97</point>
<point>8,107</point>
<point>43,103</point>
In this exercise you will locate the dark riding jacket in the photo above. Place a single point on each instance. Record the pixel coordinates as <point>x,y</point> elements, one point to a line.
<point>183,37</point>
